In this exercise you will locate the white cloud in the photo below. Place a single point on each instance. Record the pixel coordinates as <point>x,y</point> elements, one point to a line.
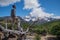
<point>7,2</point>
<point>28,4</point>
<point>57,17</point>
<point>34,19</point>
<point>27,18</point>
<point>37,10</point>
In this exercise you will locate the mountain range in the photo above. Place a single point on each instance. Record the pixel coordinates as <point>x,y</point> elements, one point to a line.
<point>30,20</point>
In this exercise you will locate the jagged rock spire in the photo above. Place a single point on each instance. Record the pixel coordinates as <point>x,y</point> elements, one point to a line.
<point>13,11</point>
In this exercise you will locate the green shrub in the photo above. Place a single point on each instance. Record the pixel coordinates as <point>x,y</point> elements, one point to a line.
<point>55,30</point>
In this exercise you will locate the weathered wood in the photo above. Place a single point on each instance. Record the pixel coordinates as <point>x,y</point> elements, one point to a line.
<point>20,32</point>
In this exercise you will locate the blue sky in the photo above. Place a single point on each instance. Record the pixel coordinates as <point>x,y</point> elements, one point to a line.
<point>49,6</point>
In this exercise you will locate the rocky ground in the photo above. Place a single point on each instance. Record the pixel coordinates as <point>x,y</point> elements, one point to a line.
<point>29,37</point>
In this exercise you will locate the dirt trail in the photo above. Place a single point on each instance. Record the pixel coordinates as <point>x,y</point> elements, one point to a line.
<point>45,37</point>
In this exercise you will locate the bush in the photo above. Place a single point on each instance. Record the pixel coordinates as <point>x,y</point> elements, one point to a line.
<point>55,30</point>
